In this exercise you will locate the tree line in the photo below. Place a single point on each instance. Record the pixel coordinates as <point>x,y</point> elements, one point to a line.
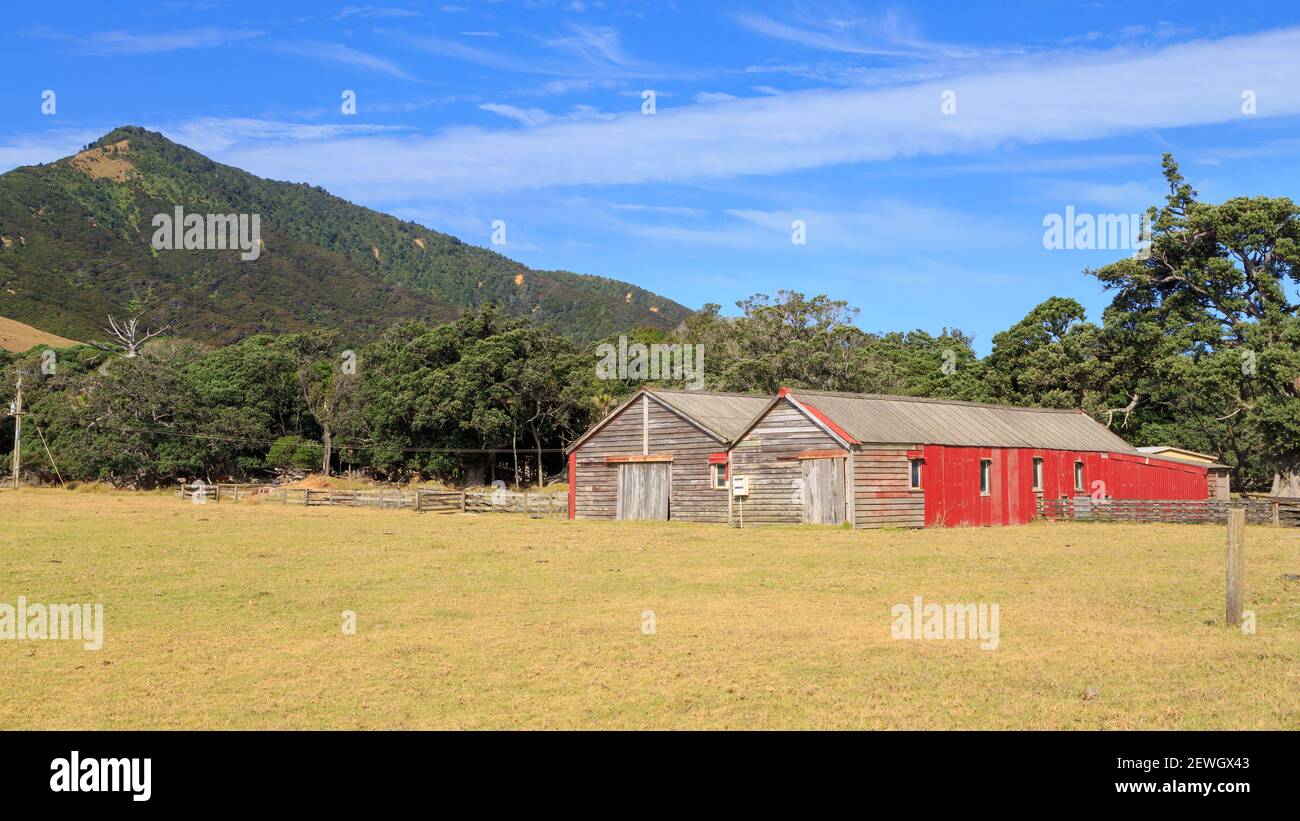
<point>1199,348</point>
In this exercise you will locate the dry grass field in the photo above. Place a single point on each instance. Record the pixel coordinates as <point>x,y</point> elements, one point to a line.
<point>15,336</point>
<point>230,617</point>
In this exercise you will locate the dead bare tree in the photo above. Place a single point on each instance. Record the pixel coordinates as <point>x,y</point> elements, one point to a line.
<point>1126,410</point>
<point>130,338</point>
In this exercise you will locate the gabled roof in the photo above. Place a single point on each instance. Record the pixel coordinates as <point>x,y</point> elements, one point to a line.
<point>721,415</point>
<point>872,418</point>
<point>724,414</point>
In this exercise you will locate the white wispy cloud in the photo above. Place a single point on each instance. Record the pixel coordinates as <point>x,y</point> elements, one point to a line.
<point>346,55</point>
<point>1122,197</point>
<point>883,225</point>
<point>888,34</point>
<point>374,12</point>
<point>524,116</point>
<point>537,116</point>
<point>214,135</point>
<point>579,51</point>
<point>1068,97</point>
<point>45,147</point>
<point>110,43</point>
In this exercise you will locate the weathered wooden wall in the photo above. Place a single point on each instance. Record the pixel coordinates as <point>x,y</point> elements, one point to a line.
<point>596,483</point>
<point>882,488</point>
<point>692,498</point>
<point>653,429</point>
<point>769,457</point>
<point>1218,483</point>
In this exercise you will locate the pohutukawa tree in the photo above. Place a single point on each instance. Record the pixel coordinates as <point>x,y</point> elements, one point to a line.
<point>1208,320</point>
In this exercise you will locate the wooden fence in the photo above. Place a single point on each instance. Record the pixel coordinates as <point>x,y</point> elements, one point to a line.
<point>1284,512</point>
<point>500,501</point>
<point>380,498</point>
<point>421,500</point>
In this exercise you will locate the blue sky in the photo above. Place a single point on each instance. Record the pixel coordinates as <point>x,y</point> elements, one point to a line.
<point>922,215</point>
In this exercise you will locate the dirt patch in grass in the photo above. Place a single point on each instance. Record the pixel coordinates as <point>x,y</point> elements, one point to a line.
<point>107,162</point>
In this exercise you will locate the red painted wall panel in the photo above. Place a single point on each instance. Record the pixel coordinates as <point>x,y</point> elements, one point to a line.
<point>951,481</point>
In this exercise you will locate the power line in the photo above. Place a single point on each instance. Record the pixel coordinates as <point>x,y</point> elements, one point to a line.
<point>335,445</point>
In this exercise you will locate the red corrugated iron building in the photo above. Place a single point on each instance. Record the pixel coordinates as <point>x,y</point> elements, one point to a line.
<point>951,481</point>
<point>913,462</point>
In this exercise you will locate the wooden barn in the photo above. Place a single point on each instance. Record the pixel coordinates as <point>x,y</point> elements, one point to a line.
<point>662,454</point>
<point>876,461</point>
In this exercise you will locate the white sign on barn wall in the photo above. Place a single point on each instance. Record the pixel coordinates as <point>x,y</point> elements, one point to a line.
<point>739,486</point>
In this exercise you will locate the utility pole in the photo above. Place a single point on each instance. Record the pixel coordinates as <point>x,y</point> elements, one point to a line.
<point>18,431</point>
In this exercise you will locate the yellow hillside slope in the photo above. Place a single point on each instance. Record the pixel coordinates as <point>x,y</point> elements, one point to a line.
<point>15,336</point>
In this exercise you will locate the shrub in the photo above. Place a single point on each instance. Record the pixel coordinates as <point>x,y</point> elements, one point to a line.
<point>294,453</point>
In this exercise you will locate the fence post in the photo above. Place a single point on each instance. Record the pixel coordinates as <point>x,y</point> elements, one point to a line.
<point>462,501</point>
<point>1277,516</point>
<point>1236,565</point>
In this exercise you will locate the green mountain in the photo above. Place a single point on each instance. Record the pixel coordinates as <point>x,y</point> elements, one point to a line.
<point>76,245</point>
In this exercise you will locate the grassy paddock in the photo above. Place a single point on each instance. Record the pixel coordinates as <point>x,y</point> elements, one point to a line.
<point>229,617</point>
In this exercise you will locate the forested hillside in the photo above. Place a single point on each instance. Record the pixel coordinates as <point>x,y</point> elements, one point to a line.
<point>75,246</point>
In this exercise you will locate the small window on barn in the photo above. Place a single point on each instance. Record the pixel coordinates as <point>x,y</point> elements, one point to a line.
<point>916,473</point>
<point>719,472</point>
<point>1078,476</point>
<point>1038,473</point>
<point>986,477</point>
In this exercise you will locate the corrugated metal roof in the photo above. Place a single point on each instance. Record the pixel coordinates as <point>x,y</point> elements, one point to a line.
<point>871,418</point>
<point>1182,455</point>
<point>726,414</point>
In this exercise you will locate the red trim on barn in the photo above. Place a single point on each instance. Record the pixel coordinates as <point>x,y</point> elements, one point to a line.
<point>828,422</point>
<point>722,458</point>
<point>952,486</point>
<point>573,484</point>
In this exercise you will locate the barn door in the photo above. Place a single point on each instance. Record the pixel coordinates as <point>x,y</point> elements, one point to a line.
<point>823,491</point>
<point>643,490</point>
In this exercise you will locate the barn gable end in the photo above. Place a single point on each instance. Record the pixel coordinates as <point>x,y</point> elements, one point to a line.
<point>768,455</point>
<point>657,426</point>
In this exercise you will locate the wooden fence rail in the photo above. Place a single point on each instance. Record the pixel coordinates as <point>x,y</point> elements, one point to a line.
<point>1284,512</point>
<point>421,500</point>
<point>500,501</point>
